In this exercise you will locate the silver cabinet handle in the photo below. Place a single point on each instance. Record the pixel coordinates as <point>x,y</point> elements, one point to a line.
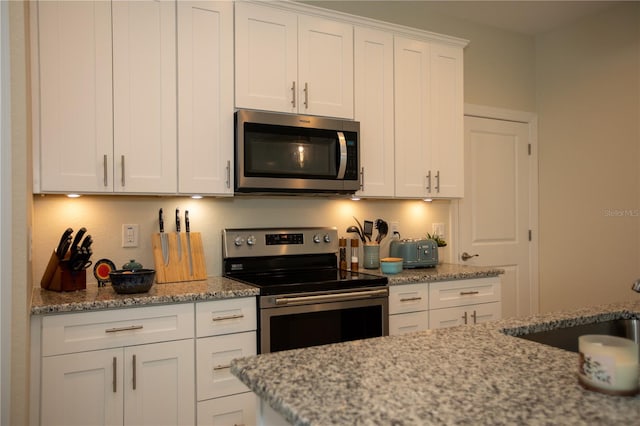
<point>293,94</point>
<point>467,293</point>
<point>115,374</point>
<point>228,174</point>
<point>466,256</point>
<point>306,95</point>
<point>411,299</point>
<point>228,317</point>
<point>464,317</point>
<point>122,177</point>
<point>104,170</point>
<point>128,328</point>
<point>221,367</point>
<point>134,372</point>
<point>429,182</point>
<point>438,181</point>
<point>475,317</point>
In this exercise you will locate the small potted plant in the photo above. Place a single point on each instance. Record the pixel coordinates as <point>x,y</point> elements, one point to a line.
<point>437,239</point>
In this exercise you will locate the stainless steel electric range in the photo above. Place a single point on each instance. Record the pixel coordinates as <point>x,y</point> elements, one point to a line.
<point>305,299</point>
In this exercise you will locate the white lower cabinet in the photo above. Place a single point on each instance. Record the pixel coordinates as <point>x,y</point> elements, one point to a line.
<point>112,380</point>
<point>439,304</point>
<point>225,329</point>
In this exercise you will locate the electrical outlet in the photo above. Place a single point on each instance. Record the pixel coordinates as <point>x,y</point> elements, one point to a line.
<point>393,228</point>
<point>438,229</point>
<point>130,233</point>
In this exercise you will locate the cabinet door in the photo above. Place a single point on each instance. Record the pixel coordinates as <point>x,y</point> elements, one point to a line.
<point>83,388</point>
<point>214,355</point>
<point>325,67</point>
<point>266,58</point>
<point>408,298</point>
<point>205,103</point>
<point>144,96</point>
<point>238,409</point>
<point>464,315</point>
<point>447,121</point>
<point>408,323</point>
<point>373,68</point>
<point>159,384</point>
<point>75,149</point>
<point>412,118</point>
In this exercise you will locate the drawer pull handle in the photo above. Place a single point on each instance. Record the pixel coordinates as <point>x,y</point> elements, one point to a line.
<point>411,299</point>
<point>115,374</point>
<point>468,293</point>
<point>228,317</point>
<point>221,367</point>
<point>134,372</point>
<point>129,328</point>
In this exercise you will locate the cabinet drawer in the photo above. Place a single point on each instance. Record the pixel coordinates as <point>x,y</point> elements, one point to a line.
<point>86,331</point>
<point>408,298</point>
<point>463,315</point>
<point>446,294</point>
<point>238,409</point>
<point>408,323</point>
<point>225,316</point>
<point>214,355</point>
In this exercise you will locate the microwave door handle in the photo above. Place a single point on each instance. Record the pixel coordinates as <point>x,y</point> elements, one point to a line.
<point>343,156</point>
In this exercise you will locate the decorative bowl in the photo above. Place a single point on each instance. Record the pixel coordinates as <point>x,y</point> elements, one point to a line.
<point>127,281</point>
<point>391,265</point>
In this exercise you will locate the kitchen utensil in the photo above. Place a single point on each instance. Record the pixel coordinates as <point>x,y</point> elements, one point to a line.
<point>355,230</point>
<point>129,282</point>
<point>187,229</point>
<point>362,234</point>
<point>65,242</point>
<point>368,229</point>
<point>163,239</point>
<point>391,265</point>
<point>416,253</point>
<point>101,271</point>
<point>179,242</point>
<point>77,240</point>
<point>383,229</point>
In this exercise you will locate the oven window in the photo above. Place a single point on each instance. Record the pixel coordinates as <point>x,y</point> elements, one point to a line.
<point>279,151</point>
<point>301,330</point>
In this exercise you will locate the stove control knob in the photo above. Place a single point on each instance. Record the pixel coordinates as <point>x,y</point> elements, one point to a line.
<point>316,238</point>
<point>251,240</point>
<point>327,238</point>
<point>238,241</point>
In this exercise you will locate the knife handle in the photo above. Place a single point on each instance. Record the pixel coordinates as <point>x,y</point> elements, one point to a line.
<point>177,220</point>
<point>186,221</point>
<point>161,221</point>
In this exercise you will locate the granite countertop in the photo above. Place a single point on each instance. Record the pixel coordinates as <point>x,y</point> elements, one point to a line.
<point>476,374</point>
<point>95,298</point>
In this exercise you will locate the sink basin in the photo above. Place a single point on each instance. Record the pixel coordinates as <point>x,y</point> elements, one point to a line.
<point>567,337</point>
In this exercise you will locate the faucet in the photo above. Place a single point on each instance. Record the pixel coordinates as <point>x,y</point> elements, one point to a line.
<point>636,286</point>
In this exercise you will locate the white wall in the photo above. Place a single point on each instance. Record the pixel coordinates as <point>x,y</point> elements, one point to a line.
<point>588,103</point>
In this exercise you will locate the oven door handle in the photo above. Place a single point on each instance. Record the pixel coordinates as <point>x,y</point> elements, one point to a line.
<point>333,297</point>
<point>342,167</point>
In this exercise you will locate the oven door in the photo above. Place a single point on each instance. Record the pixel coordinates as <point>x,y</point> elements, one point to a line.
<point>299,321</point>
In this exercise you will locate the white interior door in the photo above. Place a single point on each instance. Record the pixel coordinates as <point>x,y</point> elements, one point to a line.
<point>495,217</point>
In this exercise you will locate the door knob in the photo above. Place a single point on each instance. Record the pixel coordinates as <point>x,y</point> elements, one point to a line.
<point>466,256</point>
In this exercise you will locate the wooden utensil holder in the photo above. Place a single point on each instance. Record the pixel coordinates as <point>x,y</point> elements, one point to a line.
<point>59,277</point>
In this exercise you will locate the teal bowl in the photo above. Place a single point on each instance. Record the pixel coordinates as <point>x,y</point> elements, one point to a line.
<point>391,265</point>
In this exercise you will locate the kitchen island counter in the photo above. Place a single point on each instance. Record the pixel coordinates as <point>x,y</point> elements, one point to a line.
<point>96,298</point>
<point>476,374</point>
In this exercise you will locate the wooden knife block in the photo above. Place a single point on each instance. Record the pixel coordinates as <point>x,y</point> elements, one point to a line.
<point>58,277</point>
<point>177,270</point>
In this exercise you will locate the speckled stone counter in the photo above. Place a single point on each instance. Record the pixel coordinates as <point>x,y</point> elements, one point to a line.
<point>95,298</point>
<point>442,272</point>
<point>477,374</point>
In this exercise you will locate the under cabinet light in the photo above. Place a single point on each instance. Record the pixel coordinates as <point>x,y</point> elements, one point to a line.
<point>73,195</point>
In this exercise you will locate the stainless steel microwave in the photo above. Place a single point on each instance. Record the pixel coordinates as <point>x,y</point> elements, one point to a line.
<point>295,154</point>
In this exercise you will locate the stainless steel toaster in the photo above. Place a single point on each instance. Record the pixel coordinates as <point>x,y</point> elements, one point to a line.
<point>415,253</point>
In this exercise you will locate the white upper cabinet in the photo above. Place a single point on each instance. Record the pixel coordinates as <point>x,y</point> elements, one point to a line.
<point>106,91</point>
<point>429,118</point>
<point>144,96</point>
<point>74,104</point>
<point>205,97</point>
<point>373,69</point>
<point>293,63</point>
